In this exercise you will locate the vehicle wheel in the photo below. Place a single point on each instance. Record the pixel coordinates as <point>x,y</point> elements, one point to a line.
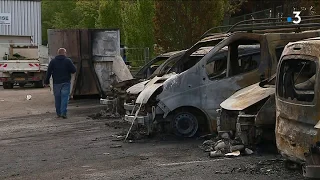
<point>22,84</point>
<point>7,85</point>
<point>39,84</point>
<point>185,124</point>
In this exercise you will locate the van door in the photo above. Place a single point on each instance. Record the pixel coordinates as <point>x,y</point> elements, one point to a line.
<point>227,75</point>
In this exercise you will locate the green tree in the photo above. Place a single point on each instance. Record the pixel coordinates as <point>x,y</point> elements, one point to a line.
<point>109,16</point>
<point>57,14</point>
<point>88,13</point>
<point>138,25</point>
<point>179,24</point>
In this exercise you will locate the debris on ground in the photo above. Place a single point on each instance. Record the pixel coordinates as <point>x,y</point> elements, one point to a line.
<point>266,167</point>
<point>116,146</point>
<point>117,124</point>
<point>224,146</point>
<point>105,114</point>
<point>117,137</point>
<point>234,154</point>
<point>216,154</point>
<point>28,97</point>
<point>248,151</point>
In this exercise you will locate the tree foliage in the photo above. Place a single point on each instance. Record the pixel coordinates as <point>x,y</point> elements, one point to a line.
<point>170,25</point>
<point>179,24</point>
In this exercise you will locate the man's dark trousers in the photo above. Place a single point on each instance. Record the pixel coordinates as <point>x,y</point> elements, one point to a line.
<point>61,95</point>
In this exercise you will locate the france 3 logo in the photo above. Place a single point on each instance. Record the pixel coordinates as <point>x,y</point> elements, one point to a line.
<point>297,16</point>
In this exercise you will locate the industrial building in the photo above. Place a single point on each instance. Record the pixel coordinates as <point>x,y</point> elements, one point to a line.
<point>20,20</point>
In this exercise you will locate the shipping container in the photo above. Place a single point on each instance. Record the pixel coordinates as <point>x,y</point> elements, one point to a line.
<point>96,55</point>
<point>21,18</point>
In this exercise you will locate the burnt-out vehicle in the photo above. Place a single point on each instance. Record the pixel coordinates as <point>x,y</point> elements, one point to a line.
<point>186,103</point>
<point>150,69</point>
<point>162,73</point>
<point>175,64</point>
<point>250,113</point>
<point>298,105</point>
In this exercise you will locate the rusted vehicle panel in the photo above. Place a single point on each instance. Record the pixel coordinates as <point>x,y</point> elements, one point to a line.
<point>187,102</point>
<point>297,105</point>
<point>248,114</point>
<point>96,55</point>
<point>246,97</point>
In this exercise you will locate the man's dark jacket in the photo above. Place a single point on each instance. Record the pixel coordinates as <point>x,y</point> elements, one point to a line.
<point>61,69</point>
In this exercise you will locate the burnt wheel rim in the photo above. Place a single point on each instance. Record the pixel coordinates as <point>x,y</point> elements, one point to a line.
<point>186,124</point>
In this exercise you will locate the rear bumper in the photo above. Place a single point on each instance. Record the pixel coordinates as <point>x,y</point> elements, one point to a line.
<point>128,107</point>
<point>311,171</point>
<point>22,80</point>
<point>142,120</point>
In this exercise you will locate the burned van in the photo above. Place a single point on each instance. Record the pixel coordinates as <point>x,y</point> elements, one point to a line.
<point>298,104</point>
<point>152,68</point>
<point>186,103</point>
<point>149,68</point>
<point>175,64</point>
<point>249,114</point>
<point>165,71</point>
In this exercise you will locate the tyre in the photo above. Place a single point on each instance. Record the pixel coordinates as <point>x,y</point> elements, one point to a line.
<point>22,84</point>
<point>185,124</point>
<point>7,85</point>
<point>39,84</point>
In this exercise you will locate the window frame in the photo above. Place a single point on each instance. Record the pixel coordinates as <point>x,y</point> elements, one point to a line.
<point>279,73</point>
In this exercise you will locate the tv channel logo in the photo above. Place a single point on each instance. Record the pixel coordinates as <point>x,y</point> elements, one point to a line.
<point>297,15</point>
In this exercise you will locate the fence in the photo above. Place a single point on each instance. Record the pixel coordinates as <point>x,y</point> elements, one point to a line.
<point>267,13</point>
<point>135,58</point>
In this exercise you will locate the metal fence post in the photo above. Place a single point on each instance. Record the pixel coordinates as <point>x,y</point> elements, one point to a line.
<point>146,55</point>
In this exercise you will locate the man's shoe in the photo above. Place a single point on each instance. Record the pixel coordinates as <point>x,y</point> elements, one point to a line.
<point>58,116</point>
<point>64,116</point>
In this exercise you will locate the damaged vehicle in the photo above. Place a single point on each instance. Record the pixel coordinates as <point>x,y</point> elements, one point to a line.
<point>162,73</point>
<point>186,103</point>
<point>243,115</point>
<point>250,113</point>
<point>297,105</point>
<point>152,68</point>
<point>175,64</point>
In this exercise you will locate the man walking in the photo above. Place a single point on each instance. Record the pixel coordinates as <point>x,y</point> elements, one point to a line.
<point>61,69</point>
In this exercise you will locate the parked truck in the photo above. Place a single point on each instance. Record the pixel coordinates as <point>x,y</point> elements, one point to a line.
<point>21,65</point>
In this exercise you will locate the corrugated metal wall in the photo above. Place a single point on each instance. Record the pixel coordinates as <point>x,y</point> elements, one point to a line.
<point>25,18</point>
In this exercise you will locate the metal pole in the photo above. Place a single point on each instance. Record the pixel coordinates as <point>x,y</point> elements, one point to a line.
<point>146,55</point>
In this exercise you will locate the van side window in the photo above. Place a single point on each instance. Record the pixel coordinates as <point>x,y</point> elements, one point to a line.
<point>217,66</point>
<point>248,63</point>
<point>244,58</point>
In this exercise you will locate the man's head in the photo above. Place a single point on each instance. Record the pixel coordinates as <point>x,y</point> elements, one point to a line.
<point>62,51</point>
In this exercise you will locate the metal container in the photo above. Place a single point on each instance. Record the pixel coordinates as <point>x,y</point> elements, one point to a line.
<point>21,18</point>
<point>96,55</point>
